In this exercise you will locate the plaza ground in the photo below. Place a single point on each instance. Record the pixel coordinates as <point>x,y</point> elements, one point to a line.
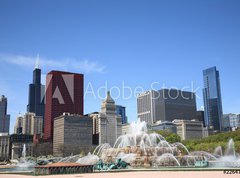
<point>141,174</point>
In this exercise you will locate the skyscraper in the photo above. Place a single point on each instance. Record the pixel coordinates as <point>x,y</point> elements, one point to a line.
<point>29,124</point>
<point>36,93</point>
<point>176,104</point>
<point>166,105</point>
<point>147,104</point>
<point>64,93</point>
<point>4,117</point>
<point>212,99</point>
<point>121,110</point>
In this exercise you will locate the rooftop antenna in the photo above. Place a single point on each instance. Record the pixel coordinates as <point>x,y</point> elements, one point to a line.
<point>37,62</point>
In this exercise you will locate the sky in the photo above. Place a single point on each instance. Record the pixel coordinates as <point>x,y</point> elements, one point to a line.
<point>138,43</point>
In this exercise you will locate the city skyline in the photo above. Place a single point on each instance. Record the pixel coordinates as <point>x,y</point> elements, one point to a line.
<point>150,42</point>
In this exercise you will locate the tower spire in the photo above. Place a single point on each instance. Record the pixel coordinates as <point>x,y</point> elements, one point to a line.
<point>37,62</point>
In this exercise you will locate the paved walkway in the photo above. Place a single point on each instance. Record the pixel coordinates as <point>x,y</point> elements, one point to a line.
<point>147,174</point>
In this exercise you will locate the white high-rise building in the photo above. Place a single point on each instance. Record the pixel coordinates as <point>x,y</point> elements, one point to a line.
<point>147,103</point>
<point>29,124</point>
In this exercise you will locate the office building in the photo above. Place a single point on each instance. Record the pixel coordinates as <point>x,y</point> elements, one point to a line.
<point>36,93</point>
<point>212,99</point>
<point>4,147</point>
<point>121,110</point>
<point>148,106</point>
<point>4,117</point>
<point>226,124</point>
<point>166,105</point>
<point>177,104</point>
<point>29,124</point>
<point>189,129</point>
<point>166,125</point>
<point>18,127</point>
<point>72,134</point>
<point>233,120</point>
<point>64,93</point>
<point>107,124</point>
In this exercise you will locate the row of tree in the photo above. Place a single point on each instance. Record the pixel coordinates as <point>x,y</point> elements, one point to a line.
<point>205,144</point>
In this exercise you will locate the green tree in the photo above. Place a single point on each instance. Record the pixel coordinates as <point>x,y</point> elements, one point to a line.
<point>173,138</point>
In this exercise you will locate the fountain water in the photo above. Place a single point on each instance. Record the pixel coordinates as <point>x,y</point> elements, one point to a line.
<point>24,151</point>
<point>218,151</point>
<point>178,144</point>
<point>204,155</point>
<point>138,148</point>
<point>141,149</point>
<point>230,151</point>
<point>229,159</point>
<point>167,160</point>
<point>24,162</point>
<point>90,159</point>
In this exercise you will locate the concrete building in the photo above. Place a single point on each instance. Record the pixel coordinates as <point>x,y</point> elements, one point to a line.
<point>17,142</point>
<point>29,124</point>
<point>110,124</point>
<point>166,125</point>
<point>205,132</point>
<point>4,117</point>
<point>166,105</point>
<point>64,93</point>
<point>36,93</point>
<point>189,129</point>
<point>4,147</point>
<point>107,125</point>
<point>212,99</point>
<point>72,134</point>
<point>148,105</point>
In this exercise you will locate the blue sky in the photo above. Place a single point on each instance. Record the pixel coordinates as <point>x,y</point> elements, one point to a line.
<point>135,41</point>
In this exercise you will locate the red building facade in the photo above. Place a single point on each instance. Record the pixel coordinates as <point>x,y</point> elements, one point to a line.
<point>64,93</point>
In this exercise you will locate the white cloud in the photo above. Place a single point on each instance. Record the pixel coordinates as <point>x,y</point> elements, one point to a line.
<point>84,66</point>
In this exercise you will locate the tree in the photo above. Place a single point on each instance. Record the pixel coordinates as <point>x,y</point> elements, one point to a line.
<point>173,138</point>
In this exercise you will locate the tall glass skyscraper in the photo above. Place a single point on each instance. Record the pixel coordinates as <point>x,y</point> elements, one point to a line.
<point>212,99</point>
<point>121,110</point>
<point>36,94</point>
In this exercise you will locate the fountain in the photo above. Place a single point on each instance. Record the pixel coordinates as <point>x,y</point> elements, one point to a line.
<point>218,151</point>
<point>230,151</point>
<point>90,159</point>
<point>229,159</point>
<point>140,149</point>
<point>24,151</point>
<point>24,162</point>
